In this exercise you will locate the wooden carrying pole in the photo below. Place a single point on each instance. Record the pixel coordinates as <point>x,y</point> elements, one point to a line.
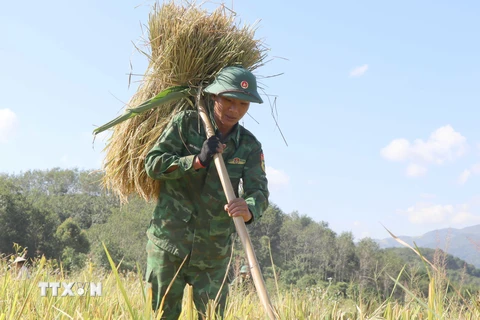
<point>239,223</point>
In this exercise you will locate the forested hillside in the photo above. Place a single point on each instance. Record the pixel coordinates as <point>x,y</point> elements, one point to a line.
<point>66,215</point>
<point>462,243</point>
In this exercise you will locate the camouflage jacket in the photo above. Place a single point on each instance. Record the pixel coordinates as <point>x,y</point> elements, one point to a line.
<point>189,216</point>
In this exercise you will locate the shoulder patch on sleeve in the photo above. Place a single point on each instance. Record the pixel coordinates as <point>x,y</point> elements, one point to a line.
<point>262,159</point>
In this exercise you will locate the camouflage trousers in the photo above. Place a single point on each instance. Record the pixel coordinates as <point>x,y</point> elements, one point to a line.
<point>161,269</point>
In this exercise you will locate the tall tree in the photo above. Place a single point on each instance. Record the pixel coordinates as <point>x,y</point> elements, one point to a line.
<point>14,218</point>
<point>69,193</point>
<point>41,232</point>
<point>70,235</point>
<point>265,233</point>
<point>368,257</point>
<point>123,234</point>
<point>345,260</point>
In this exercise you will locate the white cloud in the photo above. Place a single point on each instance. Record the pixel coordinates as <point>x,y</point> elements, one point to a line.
<point>444,144</point>
<point>424,214</point>
<point>277,179</point>
<point>462,218</point>
<point>467,173</point>
<point>397,150</point>
<point>476,168</point>
<point>8,123</point>
<point>359,71</point>
<point>415,170</point>
<point>436,214</point>
<point>464,176</point>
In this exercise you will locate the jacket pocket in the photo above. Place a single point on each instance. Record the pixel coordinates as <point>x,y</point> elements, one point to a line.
<point>235,171</point>
<point>221,226</point>
<point>220,236</point>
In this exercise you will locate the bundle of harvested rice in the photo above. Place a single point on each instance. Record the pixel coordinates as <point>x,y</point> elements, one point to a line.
<point>187,46</point>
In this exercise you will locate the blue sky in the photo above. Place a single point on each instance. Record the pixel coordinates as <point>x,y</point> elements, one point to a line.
<point>378,102</point>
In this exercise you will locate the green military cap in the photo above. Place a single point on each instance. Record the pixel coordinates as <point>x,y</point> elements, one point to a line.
<point>235,82</point>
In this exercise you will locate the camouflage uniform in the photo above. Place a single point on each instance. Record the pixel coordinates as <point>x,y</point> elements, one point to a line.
<point>189,219</point>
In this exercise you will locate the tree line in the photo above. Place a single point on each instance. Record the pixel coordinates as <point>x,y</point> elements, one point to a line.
<point>66,215</point>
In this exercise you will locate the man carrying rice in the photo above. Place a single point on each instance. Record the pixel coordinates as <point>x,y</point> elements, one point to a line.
<point>189,235</point>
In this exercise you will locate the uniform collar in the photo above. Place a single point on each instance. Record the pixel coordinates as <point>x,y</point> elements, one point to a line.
<point>235,135</point>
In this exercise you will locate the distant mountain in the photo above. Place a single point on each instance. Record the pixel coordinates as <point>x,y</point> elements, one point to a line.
<point>458,270</point>
<point>462,243</point>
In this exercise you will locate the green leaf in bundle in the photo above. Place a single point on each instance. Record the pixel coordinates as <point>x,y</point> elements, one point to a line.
<point>167,95</point>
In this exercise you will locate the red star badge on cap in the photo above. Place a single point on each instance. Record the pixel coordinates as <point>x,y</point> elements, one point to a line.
<point>244,84</point>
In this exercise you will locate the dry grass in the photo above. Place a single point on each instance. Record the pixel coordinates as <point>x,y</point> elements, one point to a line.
<point>186,46</point>
<point>123,297</point>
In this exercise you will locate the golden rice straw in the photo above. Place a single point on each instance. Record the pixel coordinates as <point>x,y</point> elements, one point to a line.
<point>187,46</point>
